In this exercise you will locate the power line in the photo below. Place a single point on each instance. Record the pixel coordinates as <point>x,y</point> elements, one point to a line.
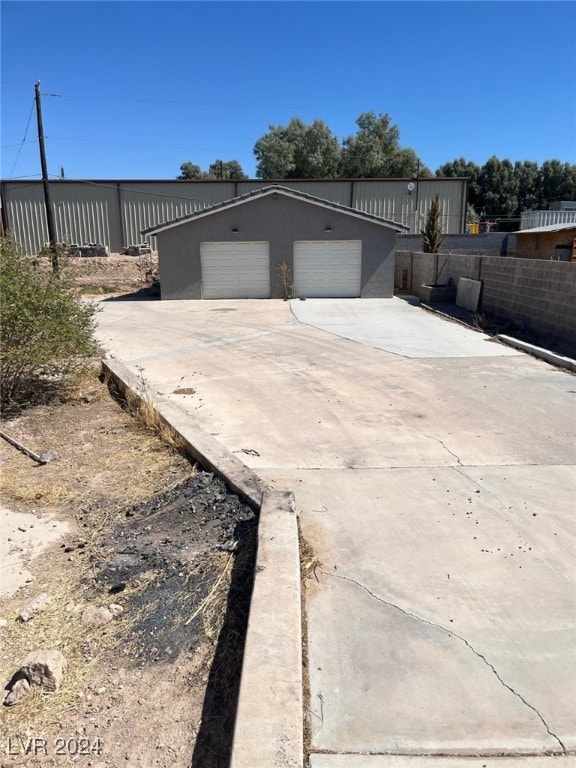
<point>24,139</point>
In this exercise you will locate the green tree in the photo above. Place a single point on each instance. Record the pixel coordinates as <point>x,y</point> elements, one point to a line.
<point>461,168</point>
<point>406,164</point>
<point>499,186</point>
<point>529,179</point>
<point>229,169</point>
<point>471,215</point>
<point>298,151</point>
<point>432,232</point>
<point>375,151</point>
<point>558,182</point>
<point>190,172</point>
<point>46,332</point>
<point>219,169</point>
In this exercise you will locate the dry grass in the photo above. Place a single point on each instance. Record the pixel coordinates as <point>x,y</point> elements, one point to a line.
<point>213,606</point>
<point>59,627</point>
<point>141,406</point>
<point>309,562</point>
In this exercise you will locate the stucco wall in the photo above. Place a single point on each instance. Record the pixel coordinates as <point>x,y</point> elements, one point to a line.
<point>541,294</point>
<point>280,222</point>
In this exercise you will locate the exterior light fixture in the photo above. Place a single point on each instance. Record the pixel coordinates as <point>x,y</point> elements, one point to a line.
<point>235,230</point>
<point>328,229</point>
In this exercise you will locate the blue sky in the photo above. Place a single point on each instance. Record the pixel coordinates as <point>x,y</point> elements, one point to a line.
<point>144,86</point>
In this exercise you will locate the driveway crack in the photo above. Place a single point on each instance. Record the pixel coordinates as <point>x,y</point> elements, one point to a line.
<point>443,444</point>
<point>480,486</point>
<point>451,633</point>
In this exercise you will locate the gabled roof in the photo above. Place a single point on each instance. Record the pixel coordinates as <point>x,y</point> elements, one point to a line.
<point>275,189</point>
<point>547,228</point>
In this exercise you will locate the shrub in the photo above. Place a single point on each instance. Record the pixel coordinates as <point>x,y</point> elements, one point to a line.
<point>46,332</point>
<point>432,232</point>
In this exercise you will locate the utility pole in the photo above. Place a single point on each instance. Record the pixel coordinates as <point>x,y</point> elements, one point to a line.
<point>47,201</point>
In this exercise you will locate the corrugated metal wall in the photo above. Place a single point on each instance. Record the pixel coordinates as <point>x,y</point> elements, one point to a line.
<point>531,219</point>
<point>114,213</point>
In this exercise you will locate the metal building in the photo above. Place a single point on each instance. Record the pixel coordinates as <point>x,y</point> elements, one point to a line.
<point>114,212</point>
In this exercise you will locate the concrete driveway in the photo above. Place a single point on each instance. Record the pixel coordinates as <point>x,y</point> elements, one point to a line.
<point>434,474</point>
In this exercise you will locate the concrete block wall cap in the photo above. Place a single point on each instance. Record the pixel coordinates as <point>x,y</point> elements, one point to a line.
<point>544,354</point>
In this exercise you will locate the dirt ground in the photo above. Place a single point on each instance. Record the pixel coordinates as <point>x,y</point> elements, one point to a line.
<point>120,518</point>
<point>110,274</point>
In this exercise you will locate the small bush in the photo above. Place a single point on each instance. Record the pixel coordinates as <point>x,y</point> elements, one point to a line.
<point>432,232</point>
<point>46,332</point>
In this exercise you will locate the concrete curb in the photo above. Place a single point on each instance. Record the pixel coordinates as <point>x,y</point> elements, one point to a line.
<point>268,730</point>
<point>446,316</point>
<point>540,352</point>
<point>201,446</point>
<point>269,725</point>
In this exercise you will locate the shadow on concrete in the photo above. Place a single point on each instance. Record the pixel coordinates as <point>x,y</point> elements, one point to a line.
<point>493,324</point>
<point>214,741</point>
<point>144,294</point>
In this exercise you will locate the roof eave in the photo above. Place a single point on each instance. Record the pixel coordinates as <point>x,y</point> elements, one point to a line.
<point>276,189</point>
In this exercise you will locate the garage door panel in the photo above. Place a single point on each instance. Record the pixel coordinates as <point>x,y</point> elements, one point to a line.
<point>235,270</point>
<point>328,269</point>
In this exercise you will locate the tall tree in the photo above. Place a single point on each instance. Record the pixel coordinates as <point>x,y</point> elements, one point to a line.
<point>190,171</point>
<point>367,154</point>
<point>461,167</point>
<point>499,187</point>
<point>558,182</point>
<point>230,169</point>
<point>298,151</point>
<point>375,151</point>
<point>528,178</point>
<point>219,169</point>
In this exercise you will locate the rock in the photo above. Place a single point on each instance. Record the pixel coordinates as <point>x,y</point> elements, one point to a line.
<point>96,617</point>
<point>44,668</point>
<point>48,456</point>
<point>3,622</point>
<point>115,609</point>
<point>34,606</point>
<point>19,691</point>
<point>89,395</point>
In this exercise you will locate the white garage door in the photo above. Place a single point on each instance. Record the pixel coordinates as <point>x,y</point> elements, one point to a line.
<point>328,269</point>
<point>235,270</point>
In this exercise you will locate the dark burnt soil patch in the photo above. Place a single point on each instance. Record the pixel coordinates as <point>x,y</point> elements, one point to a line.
<point>163,560</point>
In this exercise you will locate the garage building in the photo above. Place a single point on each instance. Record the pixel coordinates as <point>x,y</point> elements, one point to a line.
<point>235,249</point>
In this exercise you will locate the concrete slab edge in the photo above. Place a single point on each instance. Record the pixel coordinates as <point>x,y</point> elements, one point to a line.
<point>201,446</point>
<point>433,761</point>
<point>446,316</point>
<point>540,352</point>
<point>268,730</point>
<point>269,724</point>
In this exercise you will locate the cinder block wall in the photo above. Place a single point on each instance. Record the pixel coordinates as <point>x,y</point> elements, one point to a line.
<point>489,243</point>
<point>413,269</point>
<point>540,294</point>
